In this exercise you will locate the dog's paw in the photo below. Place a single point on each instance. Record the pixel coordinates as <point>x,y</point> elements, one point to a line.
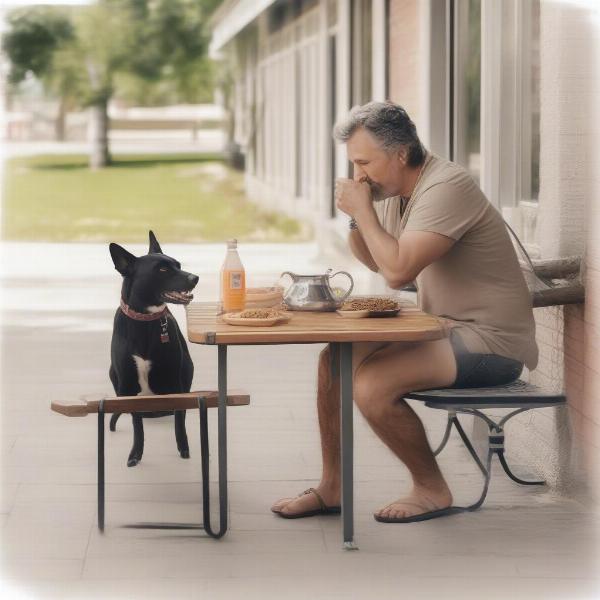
<point>184,453</point>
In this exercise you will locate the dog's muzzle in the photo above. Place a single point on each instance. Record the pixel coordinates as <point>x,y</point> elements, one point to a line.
<point>184,297</point>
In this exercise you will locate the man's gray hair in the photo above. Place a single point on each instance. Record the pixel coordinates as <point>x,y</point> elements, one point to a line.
<point>390,125</point>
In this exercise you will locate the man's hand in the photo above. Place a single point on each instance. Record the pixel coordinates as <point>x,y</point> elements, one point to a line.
<point>352,197</point>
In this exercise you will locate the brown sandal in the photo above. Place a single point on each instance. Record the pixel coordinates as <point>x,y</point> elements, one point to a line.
<point>322,510</point>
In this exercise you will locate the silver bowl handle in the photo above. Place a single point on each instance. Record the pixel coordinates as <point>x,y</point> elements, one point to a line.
<point>292,275</point>
<point>351,284</point>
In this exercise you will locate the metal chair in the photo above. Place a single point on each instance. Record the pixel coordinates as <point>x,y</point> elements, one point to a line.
<point>519,395</point>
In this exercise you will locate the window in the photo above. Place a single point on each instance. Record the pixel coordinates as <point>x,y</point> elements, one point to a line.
<point>361,51</point>
<point>529,32</point>
<point>467,86</point>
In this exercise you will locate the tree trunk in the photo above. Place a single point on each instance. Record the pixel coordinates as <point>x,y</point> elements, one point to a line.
<point>99,152</point>
<point>61,119</point>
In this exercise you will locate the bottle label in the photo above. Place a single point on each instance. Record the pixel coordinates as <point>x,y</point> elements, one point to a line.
<point>235,281</point>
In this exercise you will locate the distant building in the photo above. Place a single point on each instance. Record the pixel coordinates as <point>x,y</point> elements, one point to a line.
<point>506,88</point>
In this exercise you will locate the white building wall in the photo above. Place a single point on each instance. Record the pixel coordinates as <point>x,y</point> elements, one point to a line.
<point>561,442</point>
<point>290,67</point>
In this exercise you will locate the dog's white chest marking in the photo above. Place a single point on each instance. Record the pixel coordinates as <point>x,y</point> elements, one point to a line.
<point>143,370</point>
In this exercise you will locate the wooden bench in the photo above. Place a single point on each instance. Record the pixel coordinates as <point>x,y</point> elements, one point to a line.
<point>518,395</point>
<point>202,400</point>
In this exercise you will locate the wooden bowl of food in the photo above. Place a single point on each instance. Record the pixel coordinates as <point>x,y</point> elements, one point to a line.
<point>264,297</point>
<point>257,317</point>
<point>357,308</point>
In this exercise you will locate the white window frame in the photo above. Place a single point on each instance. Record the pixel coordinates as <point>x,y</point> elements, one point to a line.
<point>506,115</point>
<point>505,137</point>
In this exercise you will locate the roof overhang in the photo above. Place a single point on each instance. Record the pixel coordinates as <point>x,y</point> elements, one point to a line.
<point>230,18</point>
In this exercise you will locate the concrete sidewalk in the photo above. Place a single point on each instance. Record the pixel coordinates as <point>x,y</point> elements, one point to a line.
<point>58,305</point>
<point>156,142</point>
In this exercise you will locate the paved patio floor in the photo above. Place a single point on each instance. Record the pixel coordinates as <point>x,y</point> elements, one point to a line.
<point>58,305</point>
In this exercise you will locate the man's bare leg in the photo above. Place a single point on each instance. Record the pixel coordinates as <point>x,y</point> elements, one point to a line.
<point>328,408</point>
<point>382,375</point>
<point>380,384</point>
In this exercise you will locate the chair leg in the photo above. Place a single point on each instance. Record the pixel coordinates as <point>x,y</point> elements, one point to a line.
<point>495,446</point>
<point>507,470</point>
<point>444,441</point>
<point>488,474</point>
<point>469,446</point>
<point>485,469</point>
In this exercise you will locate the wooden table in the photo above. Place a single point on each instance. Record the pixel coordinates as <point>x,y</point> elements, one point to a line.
<point>204,326</point>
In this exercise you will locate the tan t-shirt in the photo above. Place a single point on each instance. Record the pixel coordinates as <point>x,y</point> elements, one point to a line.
<point>478,285</point>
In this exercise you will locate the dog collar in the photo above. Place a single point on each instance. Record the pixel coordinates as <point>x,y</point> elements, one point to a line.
<point>136,316</point>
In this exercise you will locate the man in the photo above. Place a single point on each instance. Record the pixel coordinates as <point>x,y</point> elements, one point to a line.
<point>418,217</point>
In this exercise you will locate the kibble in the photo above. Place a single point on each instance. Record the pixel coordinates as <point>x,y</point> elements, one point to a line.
<point>259,313</point>
<point>374,304</point>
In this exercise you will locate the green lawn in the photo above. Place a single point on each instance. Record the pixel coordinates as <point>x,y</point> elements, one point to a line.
<point>183,198</point>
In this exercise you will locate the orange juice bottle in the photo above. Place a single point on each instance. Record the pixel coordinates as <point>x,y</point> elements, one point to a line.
<point>233,280</point>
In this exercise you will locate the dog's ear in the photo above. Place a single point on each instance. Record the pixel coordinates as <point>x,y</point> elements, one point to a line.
<point>154,245</point>
<point>123,260</point>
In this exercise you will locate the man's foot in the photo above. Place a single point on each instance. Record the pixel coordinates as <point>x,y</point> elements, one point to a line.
<point>310,502</point>
<point>417,503</point>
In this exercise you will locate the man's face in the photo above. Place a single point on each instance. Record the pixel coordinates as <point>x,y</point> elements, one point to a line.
<point>382,170</point>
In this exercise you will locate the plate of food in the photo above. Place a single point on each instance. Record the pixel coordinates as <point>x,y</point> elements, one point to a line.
<point>358,308</point>
<point>257,317</point>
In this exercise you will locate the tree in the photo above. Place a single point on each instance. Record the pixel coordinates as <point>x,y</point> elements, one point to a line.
<point>36,35</point>
<point>117,42</point>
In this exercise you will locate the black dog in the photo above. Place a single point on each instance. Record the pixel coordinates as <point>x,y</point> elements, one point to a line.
<point>148,352</point>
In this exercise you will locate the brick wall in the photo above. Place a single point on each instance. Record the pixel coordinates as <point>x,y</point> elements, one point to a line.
<point>586,406</point>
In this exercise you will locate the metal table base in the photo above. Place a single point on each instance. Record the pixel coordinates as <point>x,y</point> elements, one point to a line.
<point>341,356</point>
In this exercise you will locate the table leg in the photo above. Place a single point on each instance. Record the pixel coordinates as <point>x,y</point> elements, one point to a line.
<point>222,427</point>
<point>347,445</point>
<point>222,434</point>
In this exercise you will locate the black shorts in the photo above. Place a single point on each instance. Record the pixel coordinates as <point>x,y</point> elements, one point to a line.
<point>481,370</point>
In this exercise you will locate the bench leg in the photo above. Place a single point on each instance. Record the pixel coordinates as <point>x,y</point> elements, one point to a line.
<point>204,451</point>
<point>101,466</point>
<point>204,458</point>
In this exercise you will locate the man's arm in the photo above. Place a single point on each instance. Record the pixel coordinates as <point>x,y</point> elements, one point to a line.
<point>400,260</point>
<point>360,250</point>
